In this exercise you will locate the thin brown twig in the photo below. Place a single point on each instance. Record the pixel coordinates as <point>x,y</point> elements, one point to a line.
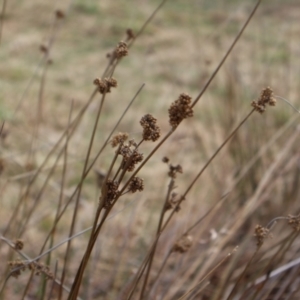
<point>226,54</point>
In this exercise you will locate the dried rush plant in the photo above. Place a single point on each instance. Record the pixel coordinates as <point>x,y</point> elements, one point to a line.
<point>121,178</point>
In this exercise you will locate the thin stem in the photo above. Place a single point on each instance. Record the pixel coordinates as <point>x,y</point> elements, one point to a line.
<point>95,159</point>
<point>153,288</point>
<point>236,285</point>
<point>206,276</point>
<point>226,54</point>
<point>74,218</point>
<point>163,211</point>
<point>205,166</point>
<point>289,103</point>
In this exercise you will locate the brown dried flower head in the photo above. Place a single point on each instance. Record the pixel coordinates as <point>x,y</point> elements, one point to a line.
<point>59,14</point>
<point>183,244</point>
<point>261,233</point>
<point>105,85</point>
<point>165,160</point>
<point>130,34</point>
<point>173,170</point>
<point>131,157</point>
<point>19,245</point>
<point>112,192</point>
<point>121,50</point>
<point>119,138</point>
<point>294,222</point>
<point>18,265</point>
<point>266,98</point>
<point>180,109</point>
<point>151,132</point>
<point>136,184</point>
<point>43,48</point>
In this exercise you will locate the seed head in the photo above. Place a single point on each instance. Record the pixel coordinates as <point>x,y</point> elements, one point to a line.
<point>266,97</point>
<point>183,244</point>
<point>43,48</point>
<point>294,222</point>
<point>260,233</point>
<point>59,14</point>
<point>165,160</point>
<point>180,109</point>
<point>151,132</point>
<point>121,50</point>
<point>105,85</point>
<point>131,158</point>
<point>112,192</point>
<point>136,184</point>
<point>130,34</point>
<point>19,244</point>
<point>173,170</point>
<point>17,266</point>
<point>120,138</point>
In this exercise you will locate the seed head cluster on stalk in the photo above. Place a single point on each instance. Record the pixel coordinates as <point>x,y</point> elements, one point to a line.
<point>294,222</point>
<point>266,98</point>
<point>180,110</point>
<point>131,156</point>
<point>261,233</point>
<point>105,85</point>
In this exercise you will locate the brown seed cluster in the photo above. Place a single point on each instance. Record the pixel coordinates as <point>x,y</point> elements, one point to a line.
<point>18,266</point>
<point>260,233</point>
<point>183,244</point>
<point>131,156</point>
<point>151,132</point>
<point>294,222</point>
<point>59,14</point>
<point>112,192</point>
<point>43,48</point>
<point>266,98</point>
<point>180,109</point>
<point>165,160</point>
<point>173,170</point>
<point>105,85</point>
<point>19,245</point>
<point>119,138</point>
<point>121,50</point>
<point>130,34</point>
<point>136,184</point>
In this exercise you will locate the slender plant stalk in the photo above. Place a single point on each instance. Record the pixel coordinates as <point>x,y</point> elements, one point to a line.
<point>153,288</point>
<point>205,277</point>
<point>58,206</point>
<point>205,166</point>
<point>194,103</point>
<point>284,247</point>
<point>74,218</point>
<point>183,197</point>
<point>72,128</point>
<point>227,54</point>
<point>161,218</point>
<point>236,285</point>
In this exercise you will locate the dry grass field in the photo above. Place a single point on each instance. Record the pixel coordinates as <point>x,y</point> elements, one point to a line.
<point>198,198</point>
